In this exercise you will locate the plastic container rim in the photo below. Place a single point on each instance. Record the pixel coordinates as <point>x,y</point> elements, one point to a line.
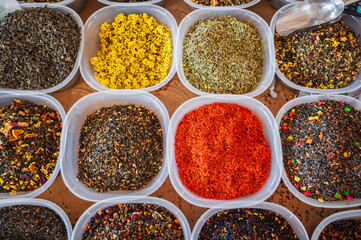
<point>291,188</point>
<point>238,202</point>
<point>96,84</point>
<point>268,71</point>
<point>151,186</point>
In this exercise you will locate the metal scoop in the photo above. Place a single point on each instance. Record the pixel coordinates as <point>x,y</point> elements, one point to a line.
<point>310,13</point>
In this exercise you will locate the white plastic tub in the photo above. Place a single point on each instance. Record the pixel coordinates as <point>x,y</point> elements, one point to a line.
<point>74,74</point>
<point>128,4</point>
<point>195,6</point>
<point>347,215</point>
<point>75,120</point>
<point>271,136</point>
<point>90,212</point>
<point>244,15</point>
<point>355,24</point>
<point>43,203</point>
<point>76,5</point>
<point>40,99</point>
<point>308,99</point>
<point>107,15</point>
<point>284,212</point>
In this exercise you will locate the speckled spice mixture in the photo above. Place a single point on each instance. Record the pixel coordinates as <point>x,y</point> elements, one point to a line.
<point>38,48</point>
<point>321,150</point>
<point>120,148</point>
<point>133,221</point>
<point>246,224</point>
<point>343,230</point>
<point>29,145</point>
<point>31,223</point>
<point>327,57</point>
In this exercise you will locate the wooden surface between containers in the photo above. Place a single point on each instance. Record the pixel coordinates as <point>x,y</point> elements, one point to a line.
<point>173,95</point>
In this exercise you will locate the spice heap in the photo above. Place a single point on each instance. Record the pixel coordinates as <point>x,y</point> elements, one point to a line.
<point>134,221</point>
<point>130,1</point>
<point>221,2</point>
<point>136,52</point>
<point>46,1</point>
<point>29,144</point>
<point>38,48</point>
<point>221,152</point>
<point>120,148</point>
<point>321,149</point>
<point>327,57</point>
<point>246,224</point>
<point>31,222</point>
<point>344,229</point>
<point>223,55</point>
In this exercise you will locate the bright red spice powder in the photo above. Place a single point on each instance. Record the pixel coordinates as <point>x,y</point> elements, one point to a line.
<point>221,152</point>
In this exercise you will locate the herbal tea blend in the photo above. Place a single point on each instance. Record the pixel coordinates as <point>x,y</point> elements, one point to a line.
<point>29,145</point>
<point>130,1</point>
<point>321,150</point>
<point>221,152</point>
<point>31,222</point>
<point>120,148</point>
<point>38,48</point>
<point>223,55</point>
<point>342,229</point>
<point>246,224</point>
<point>141,49</point>
<point>46,1</point>
<point>221,2</point>
<point>327,57</point>
<point>134,221</point>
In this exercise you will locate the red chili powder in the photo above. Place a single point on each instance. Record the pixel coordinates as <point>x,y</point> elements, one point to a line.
<point>221,152</point>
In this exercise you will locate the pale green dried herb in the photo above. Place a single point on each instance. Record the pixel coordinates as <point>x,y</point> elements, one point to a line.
<point>223,55</point>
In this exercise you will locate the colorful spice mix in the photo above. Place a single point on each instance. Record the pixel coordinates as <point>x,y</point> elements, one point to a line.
<point>223,55</point>
<point>246,224</point>
<point>120,148</point>
<point>29,143</point>
<point>221,2</point>
<point>31,222</point>
<point>38,48</point>
<point>135,52</point>
<point>326,57</point>
<point>343,230</point>
<point>321,150</point>
<point>221,152</point>
<point>133,221</point>
<point>130,1</point>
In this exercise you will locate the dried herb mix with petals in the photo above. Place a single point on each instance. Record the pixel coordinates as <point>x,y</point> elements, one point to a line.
<point>120,148</point>
<point>326,57</point>
<point>31,222</point>
<point>246,224</point>
<point>42,1</point>
<point>342,229</point>
<point>321,150</point>
<point>133,221</point>
<point>221,152</point>
<point>38,48</point>
<point>221,2</point>
<point>29,145</point>
<point>223,55</point>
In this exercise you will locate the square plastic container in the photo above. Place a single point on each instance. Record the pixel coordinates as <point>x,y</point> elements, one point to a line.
<point>74,74</point>
<point>272,137</point>
<point>196,6</point>
<point>76,5</point>
<point>355,24</point>
<point>91,211</point>
<point>43,203</point>
<point>347,215</point>
<point>308,99</point>
<point>40,99</point>
<point>128,4</point>
<point>284,212</point>
<point>74,122</point>
<point>107,15</point>
<point>241,14</point>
